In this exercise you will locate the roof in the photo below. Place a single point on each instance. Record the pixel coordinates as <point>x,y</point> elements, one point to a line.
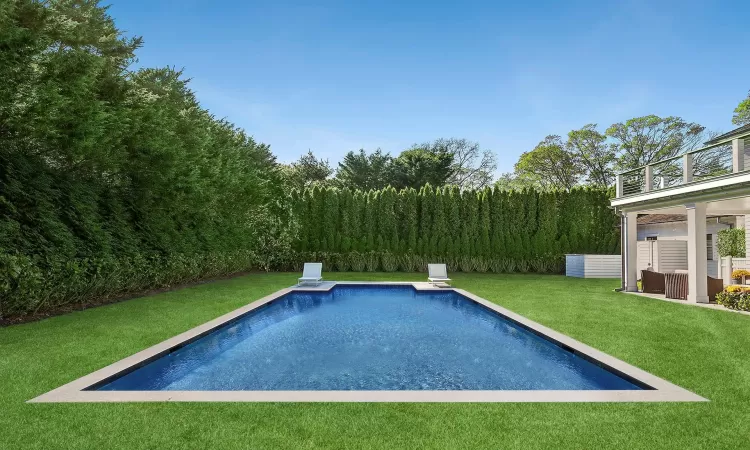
<point>648,219</point>
<point>741,130</point>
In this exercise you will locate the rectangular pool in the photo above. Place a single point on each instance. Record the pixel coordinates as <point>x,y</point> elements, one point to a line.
<point>368,338</point>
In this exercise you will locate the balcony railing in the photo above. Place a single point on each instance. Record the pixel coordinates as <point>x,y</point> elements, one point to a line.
<point>709,162</point>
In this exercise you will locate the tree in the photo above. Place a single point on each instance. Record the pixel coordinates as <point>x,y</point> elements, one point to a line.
<point>417,167</point>
<point>511,181</point>
<point>742,112</point>
<point>307,170</point>
<point>596,156</point>
<point>643,140</point>
<point>364,172</point>
<point>473,167</point>
<point>550,164</point>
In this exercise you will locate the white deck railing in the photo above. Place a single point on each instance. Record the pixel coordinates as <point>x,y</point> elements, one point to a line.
<point>709,162</point>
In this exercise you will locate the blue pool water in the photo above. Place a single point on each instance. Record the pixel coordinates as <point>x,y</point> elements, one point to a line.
<point>370,338</point>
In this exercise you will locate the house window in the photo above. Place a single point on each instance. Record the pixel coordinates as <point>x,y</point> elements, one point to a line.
<point>650,238</point>
<point>710,246</point>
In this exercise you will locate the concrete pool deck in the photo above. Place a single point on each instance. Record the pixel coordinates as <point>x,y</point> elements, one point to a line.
<point>658,390</point>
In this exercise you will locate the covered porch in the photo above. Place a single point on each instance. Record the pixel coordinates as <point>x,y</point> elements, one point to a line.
<point>712,181</point>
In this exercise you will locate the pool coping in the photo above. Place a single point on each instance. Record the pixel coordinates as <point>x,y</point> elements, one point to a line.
<point>661,390</point>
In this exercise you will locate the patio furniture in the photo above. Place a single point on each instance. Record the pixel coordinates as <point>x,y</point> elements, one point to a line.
<point>437,273</point>
<point>676,286</point>
<point>652,282</point>
<point>715,285</point>
<point>311,273</point>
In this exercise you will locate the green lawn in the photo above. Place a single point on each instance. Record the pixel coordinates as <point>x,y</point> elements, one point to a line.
<point>702,350</point>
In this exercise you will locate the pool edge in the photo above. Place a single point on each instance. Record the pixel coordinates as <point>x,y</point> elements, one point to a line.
<point>76,391</point>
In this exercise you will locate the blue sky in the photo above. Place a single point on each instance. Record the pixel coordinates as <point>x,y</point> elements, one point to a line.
<point>339,76</point>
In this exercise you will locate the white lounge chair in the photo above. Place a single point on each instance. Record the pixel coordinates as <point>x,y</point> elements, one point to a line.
<point>438,273</point>
<point>312,273</point>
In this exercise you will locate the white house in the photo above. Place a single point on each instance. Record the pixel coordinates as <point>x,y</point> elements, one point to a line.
<point>674,227</point>
<point>710,182</point>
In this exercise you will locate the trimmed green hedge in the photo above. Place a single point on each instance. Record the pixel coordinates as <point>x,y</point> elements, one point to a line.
<point>486,230</point>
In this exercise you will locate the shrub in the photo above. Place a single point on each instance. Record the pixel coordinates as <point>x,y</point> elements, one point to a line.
<point>372,261</point>
<point>342,263</point>
<point>735,297</point>
<point>357,261</point>
<point>481,264</point>
<point>731,243</point>
<point>389,262</point>
<point>497,265</point>
<point>466,263</point>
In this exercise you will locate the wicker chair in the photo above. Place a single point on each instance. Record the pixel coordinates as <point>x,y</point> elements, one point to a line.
<point>652,282</point>
<point>715,285</point>
<point>676,286</point>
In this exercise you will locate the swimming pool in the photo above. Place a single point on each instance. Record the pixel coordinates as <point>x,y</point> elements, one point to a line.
<point>370,342</point>
<point>371,338</point>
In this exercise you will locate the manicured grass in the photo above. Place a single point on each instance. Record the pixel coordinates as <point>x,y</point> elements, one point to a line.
<point>702,350</point>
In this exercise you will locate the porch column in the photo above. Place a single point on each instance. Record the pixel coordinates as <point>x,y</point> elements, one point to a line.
<point>630,271</point>
<point>697,254</point>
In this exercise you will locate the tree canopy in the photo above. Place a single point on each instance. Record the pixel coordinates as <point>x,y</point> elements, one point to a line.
<point>550,164</point>
<point>742,112</point>
<point>306,171</point>
<point>365,171</point>
<point>643,140</point>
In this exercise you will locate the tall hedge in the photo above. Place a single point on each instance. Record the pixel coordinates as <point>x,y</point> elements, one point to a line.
<point>114,179</point>
<point>486,230</point>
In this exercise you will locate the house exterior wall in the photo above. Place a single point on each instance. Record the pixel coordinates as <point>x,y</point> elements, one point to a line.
<point>678,231</point>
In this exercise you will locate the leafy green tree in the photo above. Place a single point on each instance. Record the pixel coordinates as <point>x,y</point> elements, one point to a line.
<point>510,181</point>
<point>550,164</point>
<point>643,140</point>
<point>596,155</point>
<point>742,112</point>
<point>417,167</point>
<point>307,170</point>
<point>365,172</point>
<point>472,166</point>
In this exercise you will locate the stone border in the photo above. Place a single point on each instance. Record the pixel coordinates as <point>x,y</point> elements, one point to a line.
<point>656,389</point>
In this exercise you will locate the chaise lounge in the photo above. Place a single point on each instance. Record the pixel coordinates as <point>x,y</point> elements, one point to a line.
<point>311,273</point>
<point>438,273</point>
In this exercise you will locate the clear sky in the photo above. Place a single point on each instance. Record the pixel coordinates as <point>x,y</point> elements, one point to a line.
<point>339,76</point>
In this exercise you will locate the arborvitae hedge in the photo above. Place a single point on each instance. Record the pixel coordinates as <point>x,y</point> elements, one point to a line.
<point>486,230</point>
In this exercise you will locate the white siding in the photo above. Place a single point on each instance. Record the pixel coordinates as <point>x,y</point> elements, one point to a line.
<point>645,255</point>
<point>593,266</point>
<point>672,255</point>
<point>677,231</point>
<point>740,263</point>
<point>713,269</point>
<point>602,266</point>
